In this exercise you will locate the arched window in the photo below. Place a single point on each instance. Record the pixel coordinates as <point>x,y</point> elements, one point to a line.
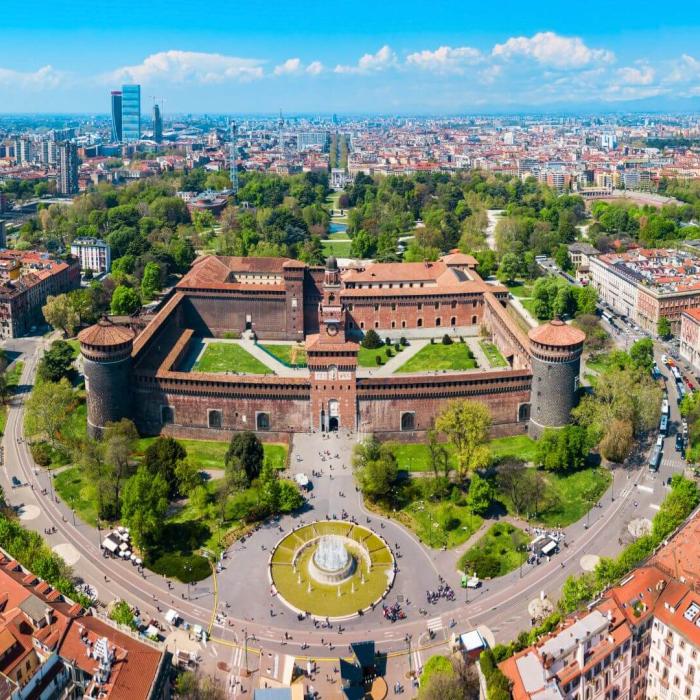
<point>453,321</point>
<point>438,321</point>
<point>419,323</point>
<point>408,420</point>
<point>473,320</point>
<point>262,421</point>
<point>524,412</point>
<point>167,415</point>
<point>215,418</point>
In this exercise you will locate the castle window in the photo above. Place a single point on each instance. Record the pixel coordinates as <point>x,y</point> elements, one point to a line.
<point>474,304</point>
<point>376,324</point>
<point>453,321</point>
<point>362,325</point>
<point>214,418</point>
<point>419,323</point>
<point>349,307</point>
<point>403,324</point>
<point>419,306</point>
<point>393,324</point>
<point>473,320</point>
<point>393,307</point>
<point>437,304</point>
<point>262,421</point>
<point>167,415</point>
<point>454,304</point>
<point>408,420</point>
<point>438,321</point>
<point>376,307</point>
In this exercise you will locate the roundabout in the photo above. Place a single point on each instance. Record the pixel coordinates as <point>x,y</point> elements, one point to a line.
<point>331,569</point>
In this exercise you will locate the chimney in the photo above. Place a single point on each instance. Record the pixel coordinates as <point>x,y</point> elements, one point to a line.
<point>47,616</point>
<point>581,655</point>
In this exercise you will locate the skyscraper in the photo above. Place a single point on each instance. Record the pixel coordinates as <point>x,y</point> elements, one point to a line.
<point>116,116</point>
<point>157,124</point>
<point>131,112</point>
<point>67,168</point>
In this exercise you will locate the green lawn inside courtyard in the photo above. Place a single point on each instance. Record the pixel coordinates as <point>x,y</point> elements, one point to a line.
<point>229,357</point>
<point>289,354</point>
<point>414,457</point>
<point>500,550</point>
<point>437,356</point>
<point>359,591</point>
<point>493,354</point>
<point>367,357</point>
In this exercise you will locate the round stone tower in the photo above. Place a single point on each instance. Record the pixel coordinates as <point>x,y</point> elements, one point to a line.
<point>555,351</point>
<point>106,349</point>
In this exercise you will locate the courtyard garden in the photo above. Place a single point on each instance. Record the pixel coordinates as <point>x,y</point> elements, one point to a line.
<point>438,356</point>
<point>367,357</point>
<point>229,357</point>
<point>290,354</point>
<point>493,354</point>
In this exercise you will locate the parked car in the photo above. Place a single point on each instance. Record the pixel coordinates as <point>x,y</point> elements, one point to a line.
<point>15,482</point>
<point>679,442</point>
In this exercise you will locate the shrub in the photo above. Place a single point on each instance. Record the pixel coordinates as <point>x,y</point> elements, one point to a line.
<point>485,565</point>
<point>461,339</point>
<point>432,341</point>
<point>231,335</point>
<point>387,341</point>
<point>378,359</point>
<point>41,453</point>
<point>403,342</point>
<point>389,352</point>
<point>446,340</point>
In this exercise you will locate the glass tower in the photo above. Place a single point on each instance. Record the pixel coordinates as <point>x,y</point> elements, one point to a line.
<point>116,116</point>
<point>157,124</point>
<point>131,112</point>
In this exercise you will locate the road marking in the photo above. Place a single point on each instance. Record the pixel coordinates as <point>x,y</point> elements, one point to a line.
<point>648,489</point>
<point>653,506</point>
<point>417,661</point>
<point>435,624</point>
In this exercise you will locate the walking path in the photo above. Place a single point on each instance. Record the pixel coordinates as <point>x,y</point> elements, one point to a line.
<point>493,215</point>
<point>392,364</point>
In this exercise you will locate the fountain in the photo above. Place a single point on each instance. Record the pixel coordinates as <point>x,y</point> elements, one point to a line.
<point>331,562</point>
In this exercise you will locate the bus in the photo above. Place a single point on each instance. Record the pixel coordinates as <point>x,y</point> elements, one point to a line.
<point>663,426</point>
<point>607,316</point>
<point>681,391</point>
<point>676,374</point>
<point>655,459</point>
<point>665,408</point>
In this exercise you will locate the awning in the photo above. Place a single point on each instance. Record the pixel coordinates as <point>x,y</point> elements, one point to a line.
<point>549,547</point>
<point>109,544</point>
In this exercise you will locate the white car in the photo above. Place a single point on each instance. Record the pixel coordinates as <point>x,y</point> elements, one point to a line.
<point>660,441</point>
<point>664,359</point>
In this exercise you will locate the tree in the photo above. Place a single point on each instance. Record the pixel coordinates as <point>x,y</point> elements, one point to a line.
<point>563,449</point>
<point>247,448</point>
<point>663,327</point>
<point>371,341</point>
<point>162,457</point>
<point>57,362</point>
<point>467,424</point>
<point>642,354</point>
<point>617,441</point>
<point>376,469</point>
<point>59,313</point>
<point>438,457</point>
<point>125,301</point>
<point>47,408</point>
<point>449,679</point>
<point>270,489</point>
<point>586,299</point>
<point>480,495</point>
<point>144,505</point>
<point>150,282</point>
<point>509,477</point>
<point>187,476</point>
<point>508,268</point>
<point>194,685</point>
<point>119,439</point>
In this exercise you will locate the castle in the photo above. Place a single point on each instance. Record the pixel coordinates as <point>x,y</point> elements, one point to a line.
<point>143,375</point>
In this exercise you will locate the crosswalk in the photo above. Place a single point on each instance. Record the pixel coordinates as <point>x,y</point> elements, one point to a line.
<point>435,624</point>
<point>417,661</point>
<point>676,464</point>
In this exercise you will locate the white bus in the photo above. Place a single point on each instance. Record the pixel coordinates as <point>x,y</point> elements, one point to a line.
<point>664,407</point>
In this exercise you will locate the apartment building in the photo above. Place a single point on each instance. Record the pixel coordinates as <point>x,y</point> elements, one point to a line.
<point>93,253</point>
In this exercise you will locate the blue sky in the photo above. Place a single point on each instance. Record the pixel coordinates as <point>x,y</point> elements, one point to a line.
<point>434,56</point>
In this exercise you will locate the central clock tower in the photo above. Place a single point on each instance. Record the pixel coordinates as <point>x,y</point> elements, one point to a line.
<point>332,362</point>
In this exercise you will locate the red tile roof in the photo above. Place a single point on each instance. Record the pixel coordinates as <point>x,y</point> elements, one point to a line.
<point>556,333</point>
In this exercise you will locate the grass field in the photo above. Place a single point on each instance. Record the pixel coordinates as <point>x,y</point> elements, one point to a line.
<point>413,457</point>
<point>229,357</point>
<point>341,249</point>
<point>367,357</point>
<point>74,487</point>
<point>492,353</point>
<point>290,354</point>
<point>439,357</point>
<point>441,524</point>
<point>529,304</point>
<point>210,454</point>
<point>520,290</point>
<point>501,549</point>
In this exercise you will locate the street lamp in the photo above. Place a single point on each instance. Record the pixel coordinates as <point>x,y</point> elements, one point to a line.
<point>73,517</point>
<point>99,535</point>
<point>407,639</point>
<point>245,649</point>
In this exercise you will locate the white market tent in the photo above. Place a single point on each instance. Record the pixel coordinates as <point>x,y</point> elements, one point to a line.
<point>301,479</point>
<point>109,544</point>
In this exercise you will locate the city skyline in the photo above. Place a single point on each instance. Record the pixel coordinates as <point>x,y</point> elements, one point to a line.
<point>354,59</point>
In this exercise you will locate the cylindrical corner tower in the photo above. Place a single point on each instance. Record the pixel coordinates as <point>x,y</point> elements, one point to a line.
<point>106,349</point>
<point>555,350</point>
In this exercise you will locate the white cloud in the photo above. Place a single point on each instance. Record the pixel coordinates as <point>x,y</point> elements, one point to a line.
<point>289,67</point>
<point>489,75</point>
<point>371,62</point>
<point>642,74</point>
<point>314,68</point>
<point>444,59</point>
<point>185,66</point>
<point>46,77</point>
<point>684,69</point>
<point>553,50</point>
